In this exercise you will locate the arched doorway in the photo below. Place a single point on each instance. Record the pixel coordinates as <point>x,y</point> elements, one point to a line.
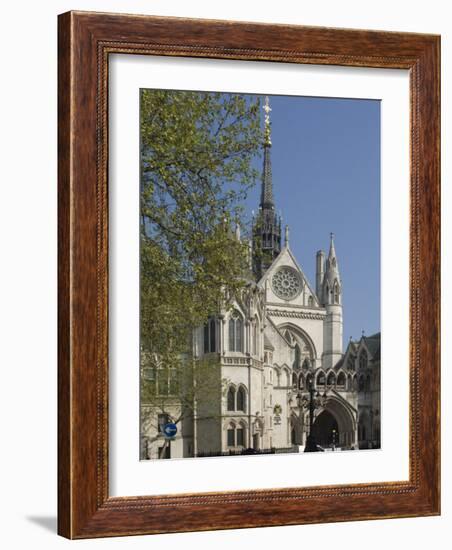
<point>326,429</point>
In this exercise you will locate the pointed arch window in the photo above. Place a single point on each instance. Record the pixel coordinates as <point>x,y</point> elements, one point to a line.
<point>301,382</point>
<point>297,356</point>
<point>341,380</point>
<point>287,377</point>
<point>241,399</point>
<point>236,435</point>
<point>231,399</point>
<point>294,380</point>
<point>363,359</point>
<point>321,379</point>
<point>210,336</point>
<point>306,363</point>
<point>235,332</point>
<point>240,436</point>
<point>231,435</point>
<point>331,380</point>
<point>310,301</point>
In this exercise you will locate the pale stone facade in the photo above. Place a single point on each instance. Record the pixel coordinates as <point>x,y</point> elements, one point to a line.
<point>281,335</point>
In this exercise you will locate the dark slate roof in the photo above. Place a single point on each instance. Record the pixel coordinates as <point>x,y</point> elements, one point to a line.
<point>373,344</point>
<point>352,346</point>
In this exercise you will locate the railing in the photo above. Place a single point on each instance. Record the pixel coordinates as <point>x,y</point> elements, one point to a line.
<point>244,452</point>
<point>240,360</point>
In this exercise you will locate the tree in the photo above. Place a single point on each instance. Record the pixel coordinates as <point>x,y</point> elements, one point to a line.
<point>196,169</point>
<point>176,392</point>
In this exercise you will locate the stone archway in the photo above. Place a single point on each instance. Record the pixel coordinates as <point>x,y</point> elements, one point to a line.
<point>326,429</point>
<point>337,414</point>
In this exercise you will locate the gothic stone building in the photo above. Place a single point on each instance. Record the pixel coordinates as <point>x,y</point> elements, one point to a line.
<point>281,336</point>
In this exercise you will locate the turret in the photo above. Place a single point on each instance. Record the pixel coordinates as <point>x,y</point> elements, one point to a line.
<point>332,288</point>
<point>332,300</point>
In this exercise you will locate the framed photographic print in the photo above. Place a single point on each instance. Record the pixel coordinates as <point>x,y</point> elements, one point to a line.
<point>248,275</point>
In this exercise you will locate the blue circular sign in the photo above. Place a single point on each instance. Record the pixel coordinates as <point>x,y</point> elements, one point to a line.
<point>170,429</point>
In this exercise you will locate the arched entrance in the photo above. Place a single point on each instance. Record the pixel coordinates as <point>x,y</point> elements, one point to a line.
<point>336,414</point>
<point>326,429</point>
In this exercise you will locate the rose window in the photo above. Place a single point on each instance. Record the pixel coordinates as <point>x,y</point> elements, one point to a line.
<point>286,283</point>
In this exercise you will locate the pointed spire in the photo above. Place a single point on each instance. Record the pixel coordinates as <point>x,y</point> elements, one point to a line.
<point>332,279</point>
<point>332,253</point>
<point>287,236</point>
<point>332,266</point>
<point>267,185</point>
<point>267,226</point>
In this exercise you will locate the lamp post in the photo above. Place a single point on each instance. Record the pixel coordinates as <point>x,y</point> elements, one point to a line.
<point>312,404</point>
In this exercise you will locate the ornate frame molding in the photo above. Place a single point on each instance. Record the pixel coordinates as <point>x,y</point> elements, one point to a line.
<point>86,40</point>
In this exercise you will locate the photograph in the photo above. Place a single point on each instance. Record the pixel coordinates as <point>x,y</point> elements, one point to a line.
<point>219,218</point>
<point>259,274</point>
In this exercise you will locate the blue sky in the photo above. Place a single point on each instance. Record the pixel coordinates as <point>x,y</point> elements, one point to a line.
<point>326,178</point>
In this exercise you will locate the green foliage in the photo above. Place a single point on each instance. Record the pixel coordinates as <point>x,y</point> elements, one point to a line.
<point>179,389</point>
<point>196,169</point>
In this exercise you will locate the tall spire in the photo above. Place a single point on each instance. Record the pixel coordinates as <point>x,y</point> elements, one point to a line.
<point>332,279</point>
<point>332,253</point>
<point>267,225</point>
<point>267,186</point>
<point>332,269</point>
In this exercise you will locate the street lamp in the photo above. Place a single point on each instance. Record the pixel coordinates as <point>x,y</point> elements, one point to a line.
<point>312,404</point>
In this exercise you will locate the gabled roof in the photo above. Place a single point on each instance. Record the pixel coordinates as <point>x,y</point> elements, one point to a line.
<point>373,344</point>
<point>271,268</point>
<point>350,351</point>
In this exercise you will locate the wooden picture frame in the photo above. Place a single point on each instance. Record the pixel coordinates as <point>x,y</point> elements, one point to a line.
<point>85,508</point>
